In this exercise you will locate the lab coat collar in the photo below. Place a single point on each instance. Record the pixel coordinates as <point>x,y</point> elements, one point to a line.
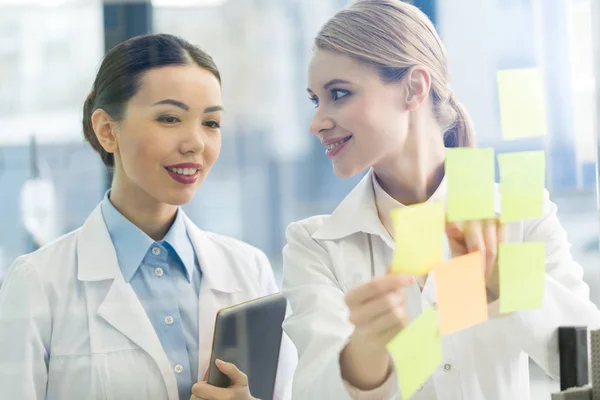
<point>117,303</point>
<point>356,213</point>
<point>213,261</point>
<point>98,258</point>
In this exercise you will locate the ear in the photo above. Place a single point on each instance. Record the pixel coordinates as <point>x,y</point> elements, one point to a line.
<point>104,128</point>
<point>418,81</point>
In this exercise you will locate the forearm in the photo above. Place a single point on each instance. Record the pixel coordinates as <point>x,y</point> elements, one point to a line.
<point>363,368</point>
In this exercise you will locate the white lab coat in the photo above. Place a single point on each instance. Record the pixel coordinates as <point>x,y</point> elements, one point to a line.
<point>327,255</point>
<point>72,328</point>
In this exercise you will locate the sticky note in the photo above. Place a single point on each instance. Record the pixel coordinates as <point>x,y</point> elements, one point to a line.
<point>522,178</point>
<point>521,269</point>
<point>417,351</point>
<point>418,233</point>
<point>522,103</point>
<point>460,293</point>
<point>470,179</point>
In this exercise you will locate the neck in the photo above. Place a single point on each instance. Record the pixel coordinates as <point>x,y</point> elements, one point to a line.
<point>414,175</point>
<point>152,217</point>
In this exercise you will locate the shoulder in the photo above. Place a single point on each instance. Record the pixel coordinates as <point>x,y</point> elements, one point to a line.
<point>235,248</point>
<point>53,259</point>
<point>306,227</point>
<point>50,266</point>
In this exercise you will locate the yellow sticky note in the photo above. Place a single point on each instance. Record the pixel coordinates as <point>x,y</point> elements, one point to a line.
<point>522,103</point>
<point>521,269</point>
<point>417,351</point>
<point>522,177</point>
<point>460,293</point>
<point>470,178</point>
<point>419,235</point>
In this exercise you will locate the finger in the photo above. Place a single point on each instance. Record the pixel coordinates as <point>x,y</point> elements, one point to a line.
<point>491,245</point>
<point>206,374</point>
<point>204,391</point>
<point>377,287</point>
<point>394,320</point>
<point>454,230</point>
<point>370,310</point>
<point>501,233</point>
<point>474,236</point>
<point>238,378</point>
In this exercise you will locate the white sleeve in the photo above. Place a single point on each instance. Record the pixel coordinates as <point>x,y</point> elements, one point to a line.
<point>25,329</point>
<point>318,324</point>
<point>566,300</point>
<point>288,357</point>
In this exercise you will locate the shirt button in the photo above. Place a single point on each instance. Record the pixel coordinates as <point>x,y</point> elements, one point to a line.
<point>159,272</point>
<point>156,251</point>
<point>169,320</point>
<point>420,388</point>
<point>447,367</point>
<point>178,368</point>
<point>435,305</point>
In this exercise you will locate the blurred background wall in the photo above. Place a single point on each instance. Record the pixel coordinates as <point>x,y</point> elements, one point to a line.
<point>272,171</point>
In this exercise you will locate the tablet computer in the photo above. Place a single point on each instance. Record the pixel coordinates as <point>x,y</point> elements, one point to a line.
<point>249,336</point>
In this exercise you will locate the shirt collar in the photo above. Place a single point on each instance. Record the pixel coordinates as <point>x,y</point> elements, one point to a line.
<point>179,240</point>
<point>386,203</point>
<point>131,243</point>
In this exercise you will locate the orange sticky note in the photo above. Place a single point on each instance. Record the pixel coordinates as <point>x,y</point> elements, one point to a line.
<point>460,292</point>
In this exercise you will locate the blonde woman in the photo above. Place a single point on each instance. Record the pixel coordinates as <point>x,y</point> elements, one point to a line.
<point>379,81</point>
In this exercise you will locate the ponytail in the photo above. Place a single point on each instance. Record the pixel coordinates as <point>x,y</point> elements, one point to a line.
<point>462,132</point>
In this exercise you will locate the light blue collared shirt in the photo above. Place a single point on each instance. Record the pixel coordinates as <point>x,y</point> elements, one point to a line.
<point>165,276</point>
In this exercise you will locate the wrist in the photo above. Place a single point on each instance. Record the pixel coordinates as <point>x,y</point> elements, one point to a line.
<point>364,366</point>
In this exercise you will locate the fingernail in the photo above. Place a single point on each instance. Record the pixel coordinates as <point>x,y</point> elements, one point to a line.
<point>220,362</point>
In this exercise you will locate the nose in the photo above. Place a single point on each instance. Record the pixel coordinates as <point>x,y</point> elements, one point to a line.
<point>194,142</point>
<point>321,122</point>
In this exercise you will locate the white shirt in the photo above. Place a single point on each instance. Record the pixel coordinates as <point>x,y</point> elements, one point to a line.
<point>327,255</point>
<point>71,327</point>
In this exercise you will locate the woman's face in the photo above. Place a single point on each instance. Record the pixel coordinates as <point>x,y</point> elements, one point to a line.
<point>170,136</point>
<point>361,120</point>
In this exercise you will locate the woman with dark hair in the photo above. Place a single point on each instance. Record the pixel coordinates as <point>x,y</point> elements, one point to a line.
<point>124,307</point>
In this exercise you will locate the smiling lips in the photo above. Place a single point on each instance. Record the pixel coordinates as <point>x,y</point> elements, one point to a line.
<point>186,173</point>
<point>335,145</point>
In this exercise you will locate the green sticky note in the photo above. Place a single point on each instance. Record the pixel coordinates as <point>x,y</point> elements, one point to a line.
<point>522,177</point>
<point>522,103</point>
<point>419,234</point>
<point>470,177</point>
<point>417,351</point>
<point>521,269</point>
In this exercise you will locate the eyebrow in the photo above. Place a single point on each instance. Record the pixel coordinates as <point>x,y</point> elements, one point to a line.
<point>331,83</point>
<point>212,109</point>
<point>185,107</point>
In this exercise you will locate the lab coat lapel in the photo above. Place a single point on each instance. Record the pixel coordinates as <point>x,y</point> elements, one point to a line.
<point>117,302</point>
<point>356,213</point>
<point>218,289</point>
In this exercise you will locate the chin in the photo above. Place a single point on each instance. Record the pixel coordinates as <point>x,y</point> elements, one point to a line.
<point>177,198</point>
<point>346,171</point>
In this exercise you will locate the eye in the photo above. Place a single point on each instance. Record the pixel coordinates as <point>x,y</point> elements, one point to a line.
<point>337,94</point>
<point>212,124</point>
<point>315,101</point>
<point>168,119</point>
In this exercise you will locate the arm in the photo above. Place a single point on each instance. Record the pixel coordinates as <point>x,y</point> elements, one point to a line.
<point>319,323</point>
<point>566,299</point>
<point>25,330</point>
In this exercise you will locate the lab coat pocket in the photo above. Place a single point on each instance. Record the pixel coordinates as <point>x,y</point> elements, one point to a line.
<point>131,374</point>
<point>76,377</point>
